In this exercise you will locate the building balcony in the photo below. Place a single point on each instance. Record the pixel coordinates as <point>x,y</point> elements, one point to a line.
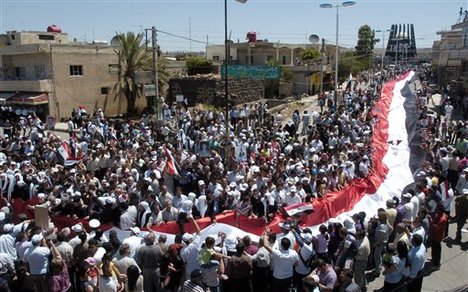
<point>44,85</point>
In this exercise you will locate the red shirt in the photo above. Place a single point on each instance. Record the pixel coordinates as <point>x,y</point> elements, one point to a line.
<point>437,227</point>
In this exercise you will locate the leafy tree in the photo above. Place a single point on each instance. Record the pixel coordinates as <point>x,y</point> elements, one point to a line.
<point>311,54</point>
<point>198,65</point>
<point>132,57</point>
<point>351,63</point>
<point>366,41</point>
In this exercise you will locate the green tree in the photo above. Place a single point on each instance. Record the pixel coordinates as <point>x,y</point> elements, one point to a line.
<point>198,65</point>
<point>132,57</point>
<point>311,54</point>
<point>366,41</point>
<point>351,63</point>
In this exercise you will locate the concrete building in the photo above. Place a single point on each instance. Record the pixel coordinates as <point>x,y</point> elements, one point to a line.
<point>305,76</point>
<point>45,73</point>
<point>450,57</point>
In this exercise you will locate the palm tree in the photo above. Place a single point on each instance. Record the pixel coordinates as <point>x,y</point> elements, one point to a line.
<point>132,57</point>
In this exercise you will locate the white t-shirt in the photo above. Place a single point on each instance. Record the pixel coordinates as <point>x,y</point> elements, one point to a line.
<point>98,255</point>
<point>291,200</point>
<point>7,245</point>
<point>128,218</point>
<point>284,261</point>
<point>38,259</point>
<point>189,255</point>
<point>107,284</point>
<point>133,242</point>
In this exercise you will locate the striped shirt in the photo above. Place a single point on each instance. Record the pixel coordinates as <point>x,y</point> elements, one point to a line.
<point>190,286</point>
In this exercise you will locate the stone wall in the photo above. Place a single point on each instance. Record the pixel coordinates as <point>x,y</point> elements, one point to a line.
<point>210,90</point>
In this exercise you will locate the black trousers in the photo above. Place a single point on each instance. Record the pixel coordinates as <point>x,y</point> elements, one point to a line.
<point>297,278</point>
<point>436,250</point>
<point>415,285</point>
<point>392,287</point>
<point>281,285</point>
<point>260,278</point>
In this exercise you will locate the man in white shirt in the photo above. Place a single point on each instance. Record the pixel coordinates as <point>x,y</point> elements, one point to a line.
<point>364,166</point>
<point>189,253</point>
<point>306,255</point>
<point>462,181</point>
<point>7,242</point>
<point>37,256</point>
<point>285,260</point>
<point>96,251</point>
<point>134,241</point>
<point>293,197</point>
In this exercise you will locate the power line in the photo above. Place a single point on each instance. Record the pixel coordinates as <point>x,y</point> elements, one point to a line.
<point>182,37</point>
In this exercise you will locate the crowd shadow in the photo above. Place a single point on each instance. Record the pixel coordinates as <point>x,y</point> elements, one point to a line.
<point>451,242</point>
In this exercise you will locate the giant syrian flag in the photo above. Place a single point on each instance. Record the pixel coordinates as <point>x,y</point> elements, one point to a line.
<point>397,155</point>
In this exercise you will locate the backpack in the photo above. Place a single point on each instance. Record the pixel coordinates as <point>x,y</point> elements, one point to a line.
<point>310,262</point>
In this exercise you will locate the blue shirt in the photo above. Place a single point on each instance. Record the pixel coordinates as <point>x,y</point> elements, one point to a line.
<point>396,276</point>
<point>416,258</point>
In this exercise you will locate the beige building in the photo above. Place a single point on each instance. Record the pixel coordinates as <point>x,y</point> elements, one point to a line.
<point>450,56</point>
<point>305,77</point>
<point>45,73</point>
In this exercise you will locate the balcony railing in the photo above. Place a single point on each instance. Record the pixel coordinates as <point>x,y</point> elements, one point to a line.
<point>44,85</point>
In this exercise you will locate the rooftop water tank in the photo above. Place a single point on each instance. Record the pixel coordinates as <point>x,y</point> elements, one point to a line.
<point>251,37</point>
<point>54,28</point>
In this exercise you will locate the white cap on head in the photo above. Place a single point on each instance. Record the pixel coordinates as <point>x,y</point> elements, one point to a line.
<point>230,243</point>
<point>186,237</point>
<point>94,223</point>
<point>406,195</point>
<point>135,230</point>
<point>36,239</point>
<point>77,228</point>
<point>8,228</point>
<point>307,237</point>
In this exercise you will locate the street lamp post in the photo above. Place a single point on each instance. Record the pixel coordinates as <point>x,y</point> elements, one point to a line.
<point>337,6</point>
<point>226,63</point>
<point>383,46</point>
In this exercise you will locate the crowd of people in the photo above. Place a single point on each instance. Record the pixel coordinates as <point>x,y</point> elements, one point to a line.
<point>140,174</point>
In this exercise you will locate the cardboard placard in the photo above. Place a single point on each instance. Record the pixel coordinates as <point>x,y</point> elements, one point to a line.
<point>41,216</point>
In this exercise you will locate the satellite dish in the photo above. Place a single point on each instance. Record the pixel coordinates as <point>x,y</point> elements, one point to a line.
<point>313,39</point>
<point>115,42</point>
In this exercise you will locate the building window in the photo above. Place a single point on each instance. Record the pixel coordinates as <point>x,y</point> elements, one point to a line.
<point>20,72</point>
<point>76,70</point>
<point>39,71</point>
<point>215,58</point>
<point>284,60</point>
<point>46,37</point>
<point>104,90</point>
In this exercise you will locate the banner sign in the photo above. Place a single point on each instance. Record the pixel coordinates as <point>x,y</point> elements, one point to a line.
<point>252,72</point>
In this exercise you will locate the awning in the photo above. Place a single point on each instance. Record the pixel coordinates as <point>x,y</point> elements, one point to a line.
<point>4,96</point>
<point>29,98</point>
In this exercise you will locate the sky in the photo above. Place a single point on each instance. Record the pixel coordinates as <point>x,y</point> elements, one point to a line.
<point>286,21</point>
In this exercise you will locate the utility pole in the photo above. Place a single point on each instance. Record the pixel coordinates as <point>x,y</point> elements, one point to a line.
<point>322,57</point>
<point>155,71</point>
